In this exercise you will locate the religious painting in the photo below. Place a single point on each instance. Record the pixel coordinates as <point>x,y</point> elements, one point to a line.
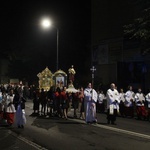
<point>60,78</point>
<point>59,81</point>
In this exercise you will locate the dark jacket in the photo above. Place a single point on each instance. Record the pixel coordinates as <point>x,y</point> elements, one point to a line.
<point>19,100</point>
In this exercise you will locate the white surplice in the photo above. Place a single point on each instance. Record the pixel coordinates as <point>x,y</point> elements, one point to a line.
<point>90,98</point>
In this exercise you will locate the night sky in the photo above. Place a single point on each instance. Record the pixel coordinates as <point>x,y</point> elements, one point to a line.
<point>22,35</point>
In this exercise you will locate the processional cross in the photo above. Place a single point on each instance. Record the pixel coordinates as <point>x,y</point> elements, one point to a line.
<point>93,69</point>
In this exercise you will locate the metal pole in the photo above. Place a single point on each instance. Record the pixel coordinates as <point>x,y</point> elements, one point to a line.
<point>57,59</point>
<point>92,80</point>
<point>93,69</point>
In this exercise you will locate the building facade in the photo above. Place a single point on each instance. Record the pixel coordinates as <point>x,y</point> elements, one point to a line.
<point>117,59</point>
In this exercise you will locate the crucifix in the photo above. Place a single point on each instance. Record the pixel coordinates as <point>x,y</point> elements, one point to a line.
<point>93,69</point>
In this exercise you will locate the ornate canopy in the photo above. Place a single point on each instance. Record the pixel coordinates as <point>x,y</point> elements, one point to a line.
<point>45,79</point>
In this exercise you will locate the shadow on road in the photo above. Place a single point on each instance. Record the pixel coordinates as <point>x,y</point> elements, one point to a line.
<point>47,122</point>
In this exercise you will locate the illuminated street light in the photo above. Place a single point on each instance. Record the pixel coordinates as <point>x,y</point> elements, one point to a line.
<point>46,24</point>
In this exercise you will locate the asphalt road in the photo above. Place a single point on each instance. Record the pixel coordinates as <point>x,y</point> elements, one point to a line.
<point>58,134</point>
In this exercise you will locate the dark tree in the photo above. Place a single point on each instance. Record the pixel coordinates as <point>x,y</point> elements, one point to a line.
<point>140,27</point>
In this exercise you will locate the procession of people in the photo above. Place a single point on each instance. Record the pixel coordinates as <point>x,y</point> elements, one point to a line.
<point>12,106</point>
<point>85,102</point>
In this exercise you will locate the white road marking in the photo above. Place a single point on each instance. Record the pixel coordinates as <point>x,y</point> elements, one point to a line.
<point>140,135</point>
<point>145,136</point>
<point>36,146</point>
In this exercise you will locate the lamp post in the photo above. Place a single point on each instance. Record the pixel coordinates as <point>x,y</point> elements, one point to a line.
<point>46,23</point>
<point>57,58</point>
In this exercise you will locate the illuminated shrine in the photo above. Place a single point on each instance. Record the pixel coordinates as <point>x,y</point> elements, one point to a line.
<point>48,79</point>
<point>45,79</point>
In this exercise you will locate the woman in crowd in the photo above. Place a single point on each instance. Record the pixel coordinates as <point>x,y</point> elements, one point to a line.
<point>70,98</point>
<point>36,102</point>
<point>43,101</point>
<point>51,102</point>
<point>64,102</point>
<point>57,96</point>
<point>19,102</point>
<point>75,101</point>
<point>81,102</point>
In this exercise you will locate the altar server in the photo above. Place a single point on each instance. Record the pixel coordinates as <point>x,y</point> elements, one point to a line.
<point>112,104</point>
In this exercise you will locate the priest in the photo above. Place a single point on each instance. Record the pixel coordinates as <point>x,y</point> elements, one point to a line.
<point>90,99</point>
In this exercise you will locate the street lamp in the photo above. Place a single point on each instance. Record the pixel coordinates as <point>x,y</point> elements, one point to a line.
<point>46,23</point>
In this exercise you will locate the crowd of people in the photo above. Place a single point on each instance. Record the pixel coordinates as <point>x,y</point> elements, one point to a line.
<point>89,102</point>
<point>12,105</point>
<point>57,102</point>
<point>127,104</point>
<point>86,101</point>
